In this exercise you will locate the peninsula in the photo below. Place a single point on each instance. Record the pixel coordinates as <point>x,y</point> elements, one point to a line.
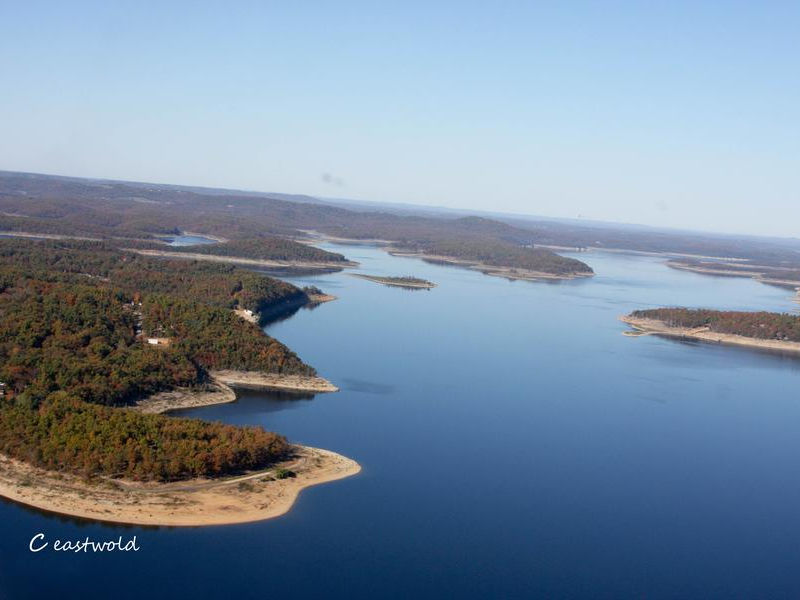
<point>251,496</point>
<point>96,343</point>
<point>764,330</point>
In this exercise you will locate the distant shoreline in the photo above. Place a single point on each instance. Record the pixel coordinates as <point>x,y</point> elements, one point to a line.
<point>749,271</point>
<point>703,334</point>
<point>422,285</point>
<point>494,270</point>
<point>240,260</point>
<point>497,271</point>
<point>239,499</point>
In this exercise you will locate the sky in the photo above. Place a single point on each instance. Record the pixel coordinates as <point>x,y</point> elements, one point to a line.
<point>674,114</point>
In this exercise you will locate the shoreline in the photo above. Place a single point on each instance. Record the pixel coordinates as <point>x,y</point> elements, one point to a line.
<point>180,398</point>
<point>47,236</point>
<point>703,334</point>
<point>220,390</point>
<point>494,270</point>
<point>241,260</point>
<point>239,499</point>
<point>734,271</point>
<point>255,380</point>
<point>582,249</point>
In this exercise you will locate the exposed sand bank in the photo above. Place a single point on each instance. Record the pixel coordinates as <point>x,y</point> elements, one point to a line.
<point>216,393</point>
<point>764,274</point>
<point>220,391</point>
<point>317,237</point>
<point>506,272</point>
<point>240,260</point>
<point>703,334</point>
<point>321,298</point>
<point>48,236</point>
<point>253,380</point>
<point>241,499</point>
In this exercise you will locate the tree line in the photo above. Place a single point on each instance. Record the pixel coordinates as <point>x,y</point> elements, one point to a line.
<point>759,325</point>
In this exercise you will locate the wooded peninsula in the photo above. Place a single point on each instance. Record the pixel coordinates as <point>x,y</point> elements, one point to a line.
<point>88,330</point>
<point>766,330</point>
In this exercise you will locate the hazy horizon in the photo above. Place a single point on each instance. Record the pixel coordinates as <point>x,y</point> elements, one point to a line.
<point>683,117</point>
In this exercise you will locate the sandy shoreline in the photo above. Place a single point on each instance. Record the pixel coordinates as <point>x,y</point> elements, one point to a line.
<point>216,393</point>
<point>48,236</point>
<point>240,260</point>
<point>656,327</point>
<point>732,270</point>
<point>241,499</point>
<point>254,380</point>
<point>220,390</point>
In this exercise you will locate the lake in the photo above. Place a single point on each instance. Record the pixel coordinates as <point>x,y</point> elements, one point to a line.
<point>514,444</point>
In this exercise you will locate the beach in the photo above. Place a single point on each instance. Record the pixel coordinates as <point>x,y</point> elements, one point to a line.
<point>240,260</point>
<point>241,499</point>
<point>703,334</point>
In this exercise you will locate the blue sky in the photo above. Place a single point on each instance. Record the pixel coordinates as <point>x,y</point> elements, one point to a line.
<point>685,114</point>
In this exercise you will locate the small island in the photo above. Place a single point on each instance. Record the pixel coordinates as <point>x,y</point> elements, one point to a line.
<point>406,281</point>
<point>764,330</point>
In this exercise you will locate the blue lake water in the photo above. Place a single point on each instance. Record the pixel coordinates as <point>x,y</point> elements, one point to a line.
<point>514,444</point>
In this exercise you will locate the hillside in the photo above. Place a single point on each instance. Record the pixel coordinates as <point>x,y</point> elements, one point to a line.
<point>75,318</point>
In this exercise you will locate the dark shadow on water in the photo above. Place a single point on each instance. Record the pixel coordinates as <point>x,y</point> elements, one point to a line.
<point>77,521</point>
<point>288,314</point>
<point>249,404</point>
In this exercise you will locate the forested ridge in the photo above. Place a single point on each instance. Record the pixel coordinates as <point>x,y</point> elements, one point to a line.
<point>74,317</point>
<point>111,209</point>
<point>272,248</point>
<point>256,225</point>
<point>759,325</point>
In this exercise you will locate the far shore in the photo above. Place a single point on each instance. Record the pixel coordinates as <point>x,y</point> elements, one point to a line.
<point>497,271</point>
<point>757,272</point>
<point>387,245</point>
<point>703,334</point>
<point>240,499</point>
<point>47,236</point>
<point>423,285</point>
<point>240,260</point>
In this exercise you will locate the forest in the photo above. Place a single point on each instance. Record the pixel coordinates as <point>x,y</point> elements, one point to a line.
<point>759,325</point>
<point>83,262</point>
<point>73,321</point>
